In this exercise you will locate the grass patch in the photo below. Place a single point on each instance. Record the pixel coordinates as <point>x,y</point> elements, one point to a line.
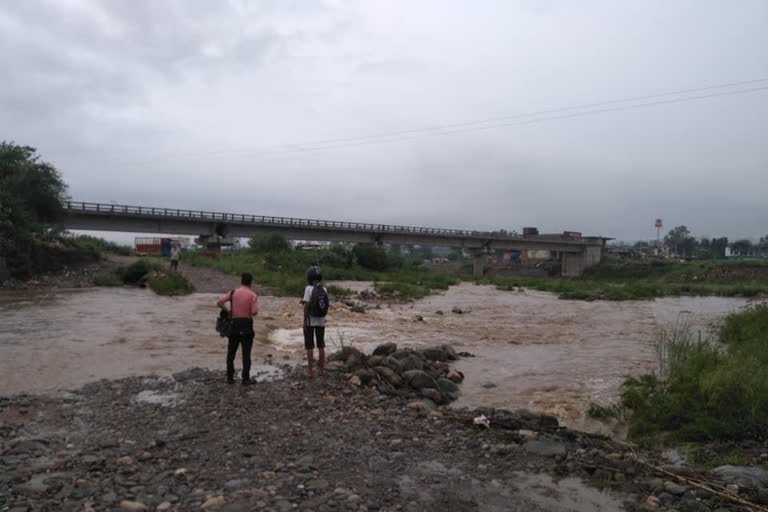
<point>339,291</point>
<point>620,280</point>
<point>92,243</point>
<point>402,290</point>
<point>706,390</point>
<point>108,279</point>
<point>170,283</point>
<point>286,270</point>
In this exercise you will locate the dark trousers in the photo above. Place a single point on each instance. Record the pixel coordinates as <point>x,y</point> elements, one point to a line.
<point>241,334</point>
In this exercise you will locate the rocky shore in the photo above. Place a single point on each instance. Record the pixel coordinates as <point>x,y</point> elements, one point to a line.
<point>192,442</point>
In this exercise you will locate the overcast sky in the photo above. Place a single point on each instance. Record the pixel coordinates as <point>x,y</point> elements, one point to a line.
<point>231,106</point>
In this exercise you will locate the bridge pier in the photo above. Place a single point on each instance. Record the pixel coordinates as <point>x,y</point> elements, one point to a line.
<point>478,262</point>
<point>574,264</point>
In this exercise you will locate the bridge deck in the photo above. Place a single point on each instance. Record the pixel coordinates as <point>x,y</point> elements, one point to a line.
<point>115,212</point>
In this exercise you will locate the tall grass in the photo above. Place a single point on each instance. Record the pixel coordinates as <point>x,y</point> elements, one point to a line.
<point>706,389</point>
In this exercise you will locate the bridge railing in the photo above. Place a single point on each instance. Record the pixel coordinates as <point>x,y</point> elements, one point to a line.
<point>175,213</point>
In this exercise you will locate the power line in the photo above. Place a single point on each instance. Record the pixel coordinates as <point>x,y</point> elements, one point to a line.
<point>485,124</point>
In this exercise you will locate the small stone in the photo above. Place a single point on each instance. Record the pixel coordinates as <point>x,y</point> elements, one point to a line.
<point>180,472</point>
<point>455,376</point>
<point>317,484</point>
<point>545,448</point>
<point>340,491</point>
<point>674,489</point>
<point>166,505</point>
<point>125,460</point>
<point>132,506</point>
<point>652,502</point>
<point>355,381</point>
<point>145,456</point>
<point>353,498</point>
<point>213,501</point>
<point>489,385</point>
<point>421,405</point>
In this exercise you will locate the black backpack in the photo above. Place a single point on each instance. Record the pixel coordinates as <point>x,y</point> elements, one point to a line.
<point>318,301</point>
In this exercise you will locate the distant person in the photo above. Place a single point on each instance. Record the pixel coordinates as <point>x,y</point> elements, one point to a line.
<point>175,257</point>
<point>244,306</point>
<point>315,302</point>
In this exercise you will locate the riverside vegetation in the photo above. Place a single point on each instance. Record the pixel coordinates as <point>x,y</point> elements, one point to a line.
<point>147,272</point>
<point>711,391</point>
<point>632,280</point>
<point>273,263</point>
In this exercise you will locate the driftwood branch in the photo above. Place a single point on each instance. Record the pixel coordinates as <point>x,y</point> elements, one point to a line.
<point>701,485</point>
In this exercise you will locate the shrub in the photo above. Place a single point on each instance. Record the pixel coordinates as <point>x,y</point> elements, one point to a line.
<point>133,273</point>
<point>371,257</point>
<point>337,256</point>
<point>269,243</point>
<point>96,244</point>
<point>170,283</point>
<point>711,390</point>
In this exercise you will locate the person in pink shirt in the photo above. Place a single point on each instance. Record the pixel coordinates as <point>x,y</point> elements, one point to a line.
<point>244,306</point>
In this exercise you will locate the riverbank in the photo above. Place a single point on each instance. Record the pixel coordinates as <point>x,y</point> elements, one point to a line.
<point>191,441</point>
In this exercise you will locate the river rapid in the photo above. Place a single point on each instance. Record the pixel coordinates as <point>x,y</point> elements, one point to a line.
<point>530,349</point>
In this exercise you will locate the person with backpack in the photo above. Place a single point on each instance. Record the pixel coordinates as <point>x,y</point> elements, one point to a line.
<point>244,305</point>
<point>315,302</point>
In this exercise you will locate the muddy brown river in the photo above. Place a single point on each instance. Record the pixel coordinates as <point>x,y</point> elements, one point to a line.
<point>531,349</point>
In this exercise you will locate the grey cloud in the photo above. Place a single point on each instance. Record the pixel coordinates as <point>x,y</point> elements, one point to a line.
<point>170,102</point>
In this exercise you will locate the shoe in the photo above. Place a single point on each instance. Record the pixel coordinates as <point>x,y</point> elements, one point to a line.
<point>248,382</point>
<point>230,380</point>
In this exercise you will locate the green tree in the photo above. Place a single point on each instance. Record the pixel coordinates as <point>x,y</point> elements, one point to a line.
<point>717,247</point>
<point>742,247</point>
<point>763,246</point>
<point>32,195</point>
<point>681,242</point>
<point>371,257</point>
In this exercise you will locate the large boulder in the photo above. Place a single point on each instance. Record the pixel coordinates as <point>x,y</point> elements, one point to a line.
<point>385,349</point>
<point>402,354</point>
<point>389,375</point>
<point>366,375</point>
<point>375,360</point>
<point>345,353</point>
<point>393,363</point>
<point>447,386</point>
<point>450,353</point>
<point>434,395</point>
<point>754,477</point>
<point>435,354</point>
<point>418,379</point>
<point>411,362</point>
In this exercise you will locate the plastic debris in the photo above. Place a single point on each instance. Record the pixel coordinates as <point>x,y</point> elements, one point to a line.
<point>482,420</point>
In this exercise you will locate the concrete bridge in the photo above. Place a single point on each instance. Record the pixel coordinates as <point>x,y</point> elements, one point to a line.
<point>575,255</point>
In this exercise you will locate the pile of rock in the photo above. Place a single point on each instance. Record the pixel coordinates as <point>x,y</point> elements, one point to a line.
<point>406,372</point>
